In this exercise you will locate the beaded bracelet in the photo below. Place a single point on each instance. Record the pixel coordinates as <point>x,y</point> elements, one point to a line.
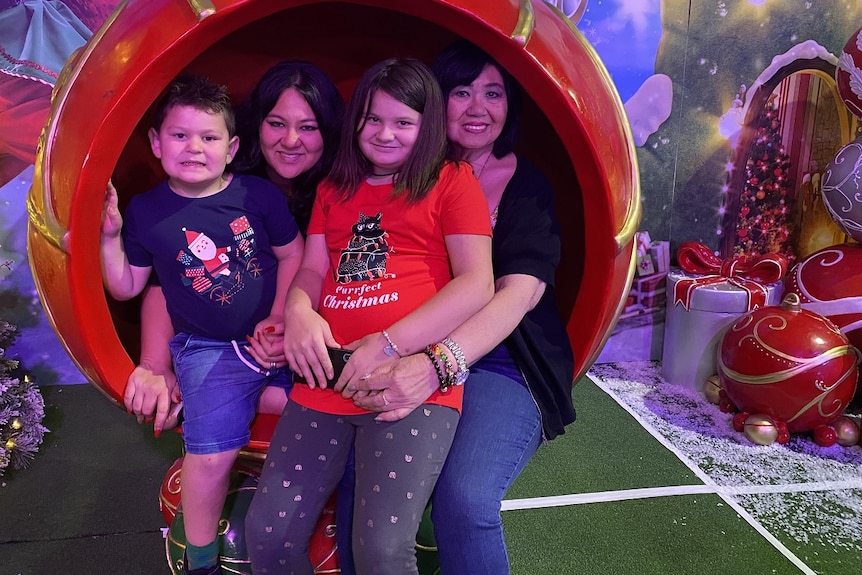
<point>391,349</point>
<point>448,368</point>
<point>463,372</point>
<point>430,353</point>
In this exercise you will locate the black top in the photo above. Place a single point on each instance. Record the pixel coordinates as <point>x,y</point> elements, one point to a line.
<point>527,241</point>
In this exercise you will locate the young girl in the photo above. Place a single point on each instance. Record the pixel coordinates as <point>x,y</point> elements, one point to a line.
<point>397,255</point>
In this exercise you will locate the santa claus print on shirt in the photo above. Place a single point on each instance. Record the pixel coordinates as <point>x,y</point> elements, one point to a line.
<point>218,272</point>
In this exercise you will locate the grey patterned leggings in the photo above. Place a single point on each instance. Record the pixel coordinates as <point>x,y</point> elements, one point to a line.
<point>397,465</point>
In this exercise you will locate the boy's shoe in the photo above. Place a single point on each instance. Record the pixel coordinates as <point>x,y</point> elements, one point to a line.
<point>213,570</point>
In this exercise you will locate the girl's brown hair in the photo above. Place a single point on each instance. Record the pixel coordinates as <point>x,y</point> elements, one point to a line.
<point>410,82</point>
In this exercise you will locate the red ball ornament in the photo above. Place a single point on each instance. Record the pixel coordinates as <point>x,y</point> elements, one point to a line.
<point>829,282</point>
<point>744,210</point>
<point>849,64</point>
<point>788,363</point>
<point>738,421</point>
<point>783,434</point>
<point>742,233</point>
<point>825,436</point>
<point>760,194</point>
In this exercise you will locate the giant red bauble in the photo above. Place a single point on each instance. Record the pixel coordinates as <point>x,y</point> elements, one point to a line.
<point>788,363</point>
<point>829,282</point>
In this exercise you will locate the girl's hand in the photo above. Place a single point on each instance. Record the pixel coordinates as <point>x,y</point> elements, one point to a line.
<point>112,220</point>
<point>305,345</point>
<point>367,356</point>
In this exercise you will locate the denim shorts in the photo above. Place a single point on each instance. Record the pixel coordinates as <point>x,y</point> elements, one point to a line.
<point>220,384</point>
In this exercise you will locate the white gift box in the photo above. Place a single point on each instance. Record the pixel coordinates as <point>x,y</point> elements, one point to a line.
<point>692,336</point>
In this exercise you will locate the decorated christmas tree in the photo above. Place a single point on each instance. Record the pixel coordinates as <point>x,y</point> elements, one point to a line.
<point>762,223</point>
<point>21,410</point>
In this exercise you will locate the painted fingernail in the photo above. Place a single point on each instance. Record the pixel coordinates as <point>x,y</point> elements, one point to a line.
<point>269,329</point>
<point>157,432</point>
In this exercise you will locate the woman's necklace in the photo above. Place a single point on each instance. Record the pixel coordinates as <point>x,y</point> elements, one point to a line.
<point>373,175</point>
<point>477,168</point>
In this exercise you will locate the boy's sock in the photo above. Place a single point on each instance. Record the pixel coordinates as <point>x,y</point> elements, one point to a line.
<point>202,557</point>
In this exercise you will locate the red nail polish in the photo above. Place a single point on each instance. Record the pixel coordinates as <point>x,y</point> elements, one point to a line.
<point>269,329</point>
<point>157,432</point>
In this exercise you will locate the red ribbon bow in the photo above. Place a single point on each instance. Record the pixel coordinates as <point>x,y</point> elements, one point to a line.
<point>748,274</point>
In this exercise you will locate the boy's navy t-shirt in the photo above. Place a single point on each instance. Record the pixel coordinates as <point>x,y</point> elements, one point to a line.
<point>212,255</point>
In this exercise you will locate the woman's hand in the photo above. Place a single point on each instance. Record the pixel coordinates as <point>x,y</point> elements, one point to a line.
<point>305,345</point>
<point>151,397</point>
<point>267,345</point>
<point>395,389</point>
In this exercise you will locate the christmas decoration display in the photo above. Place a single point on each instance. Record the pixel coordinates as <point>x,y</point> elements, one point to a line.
<point>709,294</point>
<point>848,74</point>
<point>829,282</point>
<point>787,368</point>
<point>762,223</point>
<point>233,552</point>
<point>841,189</point>
<point>21,411</point>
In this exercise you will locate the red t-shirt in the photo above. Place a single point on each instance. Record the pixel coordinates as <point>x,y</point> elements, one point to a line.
<point>387,258</point>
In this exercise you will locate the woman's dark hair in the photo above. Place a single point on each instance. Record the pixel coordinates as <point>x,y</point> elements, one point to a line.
<point>328,107</point>
<point>459,64</point>
<point>410,82</point>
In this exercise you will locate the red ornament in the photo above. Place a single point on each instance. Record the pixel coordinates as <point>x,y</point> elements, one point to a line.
<point>789,364</point>
<point>738,420</point>
<point>829,282</point>
<point>760,194</point>
<point>783,434</point>
<point>825,436</point>
<point>849,64</point>
<point>744,210</point>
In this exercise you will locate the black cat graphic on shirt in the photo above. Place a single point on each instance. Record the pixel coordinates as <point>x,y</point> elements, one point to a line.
<point>366,253</point>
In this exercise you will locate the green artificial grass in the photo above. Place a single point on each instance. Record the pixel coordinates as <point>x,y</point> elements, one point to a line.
<point>686,535</point>
<point>603,450</point>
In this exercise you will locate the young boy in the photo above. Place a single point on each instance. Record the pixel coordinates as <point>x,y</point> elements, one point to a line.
<point>224,248</point>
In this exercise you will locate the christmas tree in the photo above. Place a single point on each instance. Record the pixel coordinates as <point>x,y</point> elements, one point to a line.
<point>21,410</point>
<point>762,222</point>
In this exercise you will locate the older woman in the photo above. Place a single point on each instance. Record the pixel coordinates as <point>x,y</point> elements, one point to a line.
<point>518,393</point>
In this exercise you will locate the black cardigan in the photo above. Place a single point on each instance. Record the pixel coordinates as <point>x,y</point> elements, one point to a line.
<point>527,241</point>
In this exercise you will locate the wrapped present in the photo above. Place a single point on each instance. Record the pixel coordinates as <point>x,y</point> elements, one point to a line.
<point>708,295</point>
<point>650,291</point>
<point>660,253</point>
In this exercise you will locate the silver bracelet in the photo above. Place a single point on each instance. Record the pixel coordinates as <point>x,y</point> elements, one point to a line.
<point>390,349</point>
<point>456,350</point>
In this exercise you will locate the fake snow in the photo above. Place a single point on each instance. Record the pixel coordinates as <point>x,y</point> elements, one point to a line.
<point>812,494</point>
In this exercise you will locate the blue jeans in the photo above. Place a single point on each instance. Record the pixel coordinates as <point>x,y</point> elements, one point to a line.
<point>220,385</point>
<point>499,431</point>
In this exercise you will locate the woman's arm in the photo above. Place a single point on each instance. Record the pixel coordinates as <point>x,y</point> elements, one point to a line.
<point>266,346</point>
<point>152,386</point>
<point>411,380</point>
